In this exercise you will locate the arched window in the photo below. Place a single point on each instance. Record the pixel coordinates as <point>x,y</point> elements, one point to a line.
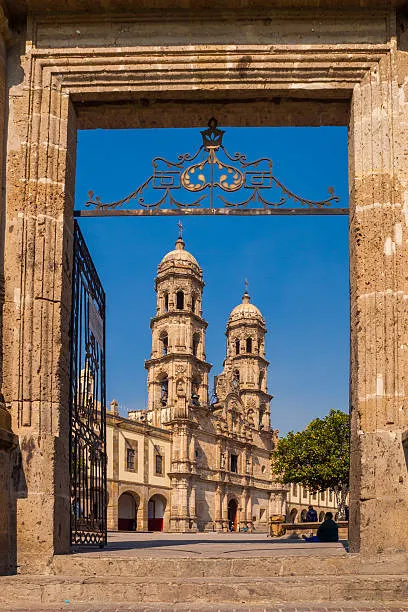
<point>164,341</point>
<point>196,343</point>
<point>166,302</point>
<point>235,377</point>
<point>261,379</point>
<point>164,391</point>
<point>193,303</point>
<point>249,345</point>
<point>180,300</point>
<point>237,346</point>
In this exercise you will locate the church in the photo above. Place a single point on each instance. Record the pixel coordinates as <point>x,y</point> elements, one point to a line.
<point>195,461</point>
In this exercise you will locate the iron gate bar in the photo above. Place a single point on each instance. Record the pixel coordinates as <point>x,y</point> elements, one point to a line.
<point>88,461</point>
<point>252,212</point>
<point>207,177</point>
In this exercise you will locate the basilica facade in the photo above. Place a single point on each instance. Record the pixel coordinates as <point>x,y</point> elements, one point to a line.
<point>194,460</point>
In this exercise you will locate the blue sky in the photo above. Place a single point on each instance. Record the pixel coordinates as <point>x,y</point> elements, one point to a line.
<point>297,267</point>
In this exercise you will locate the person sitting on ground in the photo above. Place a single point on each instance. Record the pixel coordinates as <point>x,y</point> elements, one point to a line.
<point>311,516</point>
<point>328,531</point>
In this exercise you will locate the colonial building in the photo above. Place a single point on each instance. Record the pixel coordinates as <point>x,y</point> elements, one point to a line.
<point>189,462</point>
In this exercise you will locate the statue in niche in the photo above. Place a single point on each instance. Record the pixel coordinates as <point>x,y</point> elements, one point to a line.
<point>180,387</point>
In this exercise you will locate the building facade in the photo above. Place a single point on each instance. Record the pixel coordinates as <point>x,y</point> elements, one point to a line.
<point>189,462</point>
<point>299,499</point>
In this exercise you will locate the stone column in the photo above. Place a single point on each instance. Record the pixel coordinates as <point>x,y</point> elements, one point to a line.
<point>244,503</point>
<point>192,507</point>
<point>218,508</point>
<point>225,510</point>
<point>112,518</point>
<point>142,512</point>
<point>113,505</point>
<point>249,511</point>
<point>38,267</point>
<point>7,440</point>
<point>379,315</point>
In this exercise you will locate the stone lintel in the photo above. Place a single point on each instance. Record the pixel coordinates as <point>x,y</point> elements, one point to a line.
<point>20,8</point>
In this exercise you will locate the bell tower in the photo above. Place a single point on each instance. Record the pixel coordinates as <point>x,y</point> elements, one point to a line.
<point>177,367</point>
<point>245,364</point>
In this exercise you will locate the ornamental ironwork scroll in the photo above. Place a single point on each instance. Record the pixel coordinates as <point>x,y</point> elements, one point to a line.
<point>212,181</point>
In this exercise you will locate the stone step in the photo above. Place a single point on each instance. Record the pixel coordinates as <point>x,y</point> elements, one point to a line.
<point>87,565</point>
<point>31,590</point>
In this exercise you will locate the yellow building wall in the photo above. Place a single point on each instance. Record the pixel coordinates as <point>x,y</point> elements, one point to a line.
<point>131,436</point>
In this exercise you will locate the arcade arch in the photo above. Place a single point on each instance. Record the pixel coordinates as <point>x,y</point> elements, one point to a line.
<point>156,512</point>
<point>293,515</point>
<point>128,504</point>
<point>233,518</point>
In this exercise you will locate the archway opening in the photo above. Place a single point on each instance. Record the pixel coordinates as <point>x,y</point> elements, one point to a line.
<point>167,384</point>
<point>293,515</point>
<point>156,508</point>
<point>127,512</point>
<point>233,515</point>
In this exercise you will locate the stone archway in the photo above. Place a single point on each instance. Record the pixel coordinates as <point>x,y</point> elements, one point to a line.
<point>293,515</point>
<point>233,514</point>
<point>293,80</point>
<point>156,512</point>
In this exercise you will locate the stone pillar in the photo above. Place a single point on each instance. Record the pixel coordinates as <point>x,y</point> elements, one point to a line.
<point>38,267</point>
<point>192,507</point>
<point>179,520</point>
<point>112,513</point>
<point>7,440</point>
<point>218,508</point>
<point>113,505</point>
<point>379,315</point>
<point>225,510</point>
<point>142,515</point>
<point>243,513</point>
<point>249,511</point>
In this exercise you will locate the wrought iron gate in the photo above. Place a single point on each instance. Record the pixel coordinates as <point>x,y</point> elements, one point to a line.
<point>87,401</point>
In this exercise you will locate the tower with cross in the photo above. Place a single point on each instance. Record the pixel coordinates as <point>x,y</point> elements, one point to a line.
<point>177,367</point>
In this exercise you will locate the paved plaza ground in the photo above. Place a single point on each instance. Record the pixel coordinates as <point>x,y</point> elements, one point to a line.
<point>131,546</point>
<point>227,545</point>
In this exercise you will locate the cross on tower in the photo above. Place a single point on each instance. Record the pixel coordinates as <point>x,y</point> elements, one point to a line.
<point>246,285</point>
<point>181,227</point>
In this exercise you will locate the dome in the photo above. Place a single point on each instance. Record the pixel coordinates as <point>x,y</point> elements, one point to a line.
<point>245,310</point>
<point>179,256</point>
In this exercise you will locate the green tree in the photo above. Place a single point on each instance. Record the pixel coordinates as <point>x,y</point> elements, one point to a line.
<point>318,457</point>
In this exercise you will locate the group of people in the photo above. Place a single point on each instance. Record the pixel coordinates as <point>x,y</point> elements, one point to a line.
<point>328,530</point>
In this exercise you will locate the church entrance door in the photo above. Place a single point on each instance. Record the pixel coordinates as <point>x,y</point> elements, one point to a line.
<point>233,515</point>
